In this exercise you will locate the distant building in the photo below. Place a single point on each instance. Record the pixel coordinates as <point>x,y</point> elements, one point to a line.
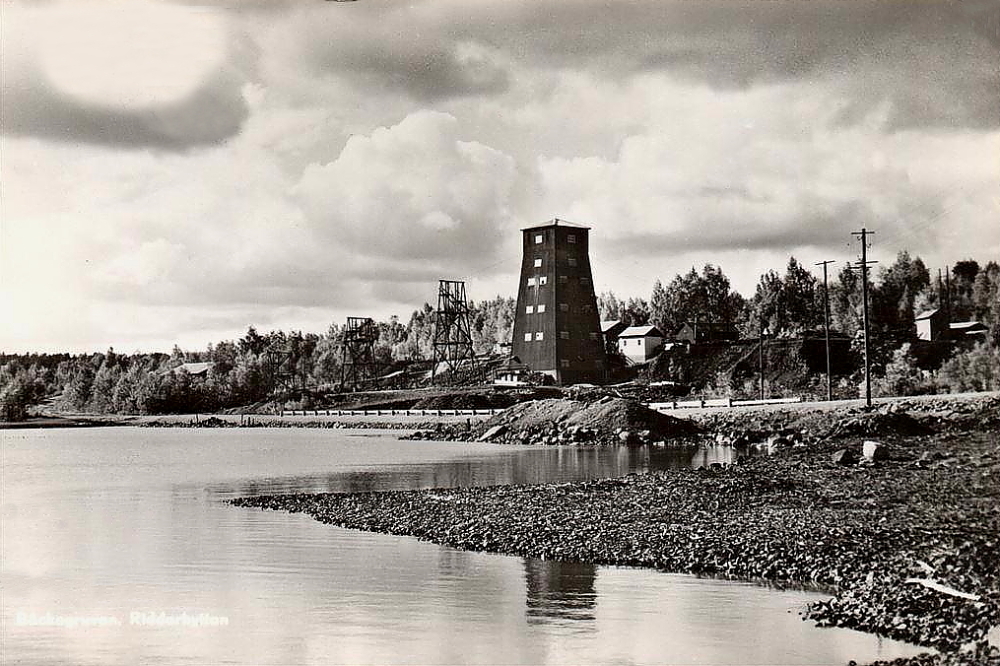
<point>512,373</point>
<point>933,325</point>
<point>708,331</point>
<point>930,324</point>
<point>557,329</point>
<point>640,343</point>
<point>194,369</point>
<point>611,329</point>
<point>963,330</point>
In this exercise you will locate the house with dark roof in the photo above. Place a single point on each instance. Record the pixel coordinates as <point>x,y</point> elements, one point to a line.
<point>708,331</point>
<point>964,330</point>
<point>611,329</point>
<point>933,325</point>
<point>199,370</point>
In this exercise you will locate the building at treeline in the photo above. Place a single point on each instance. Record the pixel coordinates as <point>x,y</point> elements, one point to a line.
<point>557,328</point>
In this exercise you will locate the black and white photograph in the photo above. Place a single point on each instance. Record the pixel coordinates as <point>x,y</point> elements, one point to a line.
<point>448,332</point>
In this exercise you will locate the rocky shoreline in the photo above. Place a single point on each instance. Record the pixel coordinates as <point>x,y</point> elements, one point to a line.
<point>256,421</point>
<point>907,538</point>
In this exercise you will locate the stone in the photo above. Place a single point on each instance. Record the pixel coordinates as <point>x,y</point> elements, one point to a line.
<point>776,443</point>
<point>495,431</point>
<point>873,451</point>
<point>844,457</point>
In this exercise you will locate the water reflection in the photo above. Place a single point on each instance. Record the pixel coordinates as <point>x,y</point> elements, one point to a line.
<point>517,465</point>
<point>101,522</point>
<point>559,591</point>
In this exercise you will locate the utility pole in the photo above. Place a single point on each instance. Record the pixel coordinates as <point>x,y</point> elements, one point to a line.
<point>826,329</point>
<point>863,267</point>
<point>760,356</point>
<point>947,295</point>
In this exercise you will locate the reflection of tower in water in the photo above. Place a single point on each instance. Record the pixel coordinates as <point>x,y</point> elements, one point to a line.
<point>559,590</point>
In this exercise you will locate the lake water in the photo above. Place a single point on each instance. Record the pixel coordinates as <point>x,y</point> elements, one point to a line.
<point>127,524</point>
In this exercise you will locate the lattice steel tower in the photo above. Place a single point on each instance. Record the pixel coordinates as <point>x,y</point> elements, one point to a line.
<point>453,332</point>
<point>358,358</point>
<point>275,367</point>
<point>557,328</point>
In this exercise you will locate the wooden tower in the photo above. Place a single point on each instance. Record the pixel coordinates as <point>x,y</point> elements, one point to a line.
<point>557,328</point>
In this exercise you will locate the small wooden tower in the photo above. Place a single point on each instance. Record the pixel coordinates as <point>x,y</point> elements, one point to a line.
<point>557,328</point>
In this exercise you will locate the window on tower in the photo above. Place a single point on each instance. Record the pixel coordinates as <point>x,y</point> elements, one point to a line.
<point>541,308</point>
<point>527,337</point>
<point>529,310</point>
<point>538,262</point>
<point>539,336</point>
<point>539,239</point>
<point>571,261</point>
<point>571,238</point>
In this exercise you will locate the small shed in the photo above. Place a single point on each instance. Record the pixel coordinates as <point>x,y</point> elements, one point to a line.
<point>708,331</point>
<point>640,343</point>
<point>930,324</point>
<point>512,373</point>
<point>963,330</point>
<point>194,369</point>
<point>611,329</point>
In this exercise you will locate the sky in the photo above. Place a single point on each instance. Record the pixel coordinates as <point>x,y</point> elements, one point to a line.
<point>173,172</point>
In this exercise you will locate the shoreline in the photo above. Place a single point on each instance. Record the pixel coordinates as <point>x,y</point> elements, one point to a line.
<point>926,511</point>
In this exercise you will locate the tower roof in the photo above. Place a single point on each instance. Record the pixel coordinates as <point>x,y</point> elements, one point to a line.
<point>555,222</point>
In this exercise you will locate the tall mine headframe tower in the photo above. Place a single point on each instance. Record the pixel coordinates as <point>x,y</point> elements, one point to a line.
<point>557,328</point>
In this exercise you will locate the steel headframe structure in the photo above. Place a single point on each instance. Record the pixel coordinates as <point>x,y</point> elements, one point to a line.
<point>453,330</point>
<point>358,360</point>
<point>278,375</point>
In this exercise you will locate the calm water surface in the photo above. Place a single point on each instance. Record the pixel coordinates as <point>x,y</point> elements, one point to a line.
<point>113,521</point>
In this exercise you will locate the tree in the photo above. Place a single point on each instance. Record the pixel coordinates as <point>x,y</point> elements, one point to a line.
<point>706,297</point>
<point>785,305</point>
<point>975,370</point>
<point>845,302</point>
<point>608,306</point>
<point>986,300</point>
<point>635,312</point>
<point>902,376</point>
<point>492,323</point>
<point>252,342</point>
<point>894,297</point>
<point>963,281</point>
<point>20,387</point>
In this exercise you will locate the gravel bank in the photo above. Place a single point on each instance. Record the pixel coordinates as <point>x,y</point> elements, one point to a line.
<point>929,509</point>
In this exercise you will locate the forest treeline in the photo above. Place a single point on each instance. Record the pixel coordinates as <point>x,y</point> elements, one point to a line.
<point>784,304</point>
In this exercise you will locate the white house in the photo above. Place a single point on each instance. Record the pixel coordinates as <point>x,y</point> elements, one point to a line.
<point>640,343</point>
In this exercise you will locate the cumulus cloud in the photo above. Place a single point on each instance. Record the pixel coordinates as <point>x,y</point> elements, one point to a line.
<point>412,193</point>
<point>350,154</point>
<point>393,47</point>
<point>933,61</point>
<point>752,171</point>
<point>135,74</point>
